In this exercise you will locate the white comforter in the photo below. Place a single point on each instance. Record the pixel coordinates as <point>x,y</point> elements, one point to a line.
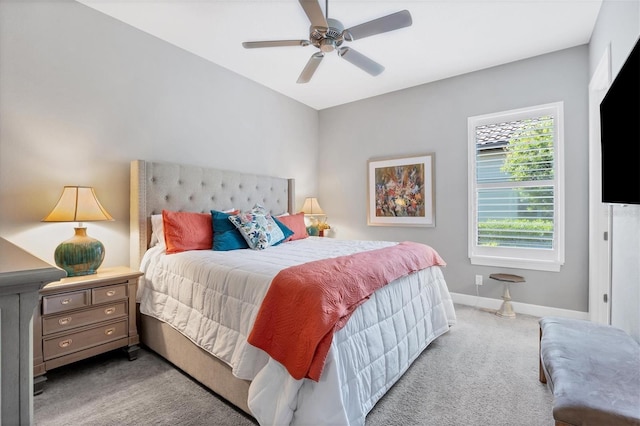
<point>213,299</point>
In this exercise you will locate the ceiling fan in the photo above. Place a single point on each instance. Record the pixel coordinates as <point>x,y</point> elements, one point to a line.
<point>329,34</point>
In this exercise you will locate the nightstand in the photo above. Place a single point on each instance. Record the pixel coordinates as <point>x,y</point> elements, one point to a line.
<point>79,317</point>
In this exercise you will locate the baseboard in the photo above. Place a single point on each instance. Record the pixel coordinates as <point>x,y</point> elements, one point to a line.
<point>522,308</point>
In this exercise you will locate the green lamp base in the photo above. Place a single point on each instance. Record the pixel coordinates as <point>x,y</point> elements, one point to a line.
<point>79,255</point>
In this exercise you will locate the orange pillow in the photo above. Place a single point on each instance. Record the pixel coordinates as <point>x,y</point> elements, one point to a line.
<point>295,222</point>
<point>187,231</point>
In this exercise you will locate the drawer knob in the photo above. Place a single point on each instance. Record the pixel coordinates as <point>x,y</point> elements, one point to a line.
<point>64,321</point>
<point>110,331</point>
<point>65,343</point>
<point>111,293</point>
<point>109,311</point>
<point>66,301</point>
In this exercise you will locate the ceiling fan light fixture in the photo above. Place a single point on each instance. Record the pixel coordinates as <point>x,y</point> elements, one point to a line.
<point>327,45</point>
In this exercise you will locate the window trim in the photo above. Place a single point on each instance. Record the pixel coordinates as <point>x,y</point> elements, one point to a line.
<point>533,259</point>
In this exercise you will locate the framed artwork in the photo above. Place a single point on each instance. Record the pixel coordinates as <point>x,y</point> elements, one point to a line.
<point>401,191</point>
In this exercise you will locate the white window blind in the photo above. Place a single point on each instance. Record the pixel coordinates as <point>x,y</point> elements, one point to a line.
<point>515,188</point>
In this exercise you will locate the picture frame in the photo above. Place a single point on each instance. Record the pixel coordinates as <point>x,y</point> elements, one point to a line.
<point>401,191</point>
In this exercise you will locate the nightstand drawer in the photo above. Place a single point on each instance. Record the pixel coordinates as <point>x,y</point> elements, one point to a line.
<point>71,320</point>
<point>108,294</point>
<point>74,342</point>
<point>65,302</point>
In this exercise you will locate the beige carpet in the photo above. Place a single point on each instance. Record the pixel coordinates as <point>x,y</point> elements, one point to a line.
<point>484,371</point>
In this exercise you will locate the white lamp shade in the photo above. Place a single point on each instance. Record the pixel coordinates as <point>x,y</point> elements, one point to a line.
<point>78,204</point>
<point>311,207</point>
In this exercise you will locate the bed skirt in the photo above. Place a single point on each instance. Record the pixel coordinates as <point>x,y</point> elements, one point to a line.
<point>193,360</point>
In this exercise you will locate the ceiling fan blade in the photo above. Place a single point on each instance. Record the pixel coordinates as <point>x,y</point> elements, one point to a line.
<point>381,25</point>
<point>314,13</point>
<point>359,60</point>
<point>310,68</point>
<point>274,43</point>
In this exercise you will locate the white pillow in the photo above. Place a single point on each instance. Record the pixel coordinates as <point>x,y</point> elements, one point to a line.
<point>157,230</point>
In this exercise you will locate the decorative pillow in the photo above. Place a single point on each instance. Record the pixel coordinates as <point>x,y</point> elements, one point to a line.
<point>225,235</point>
<point>258,228</point>
<point>157,230</point>
<point>288,233</point>
<point>186,231</point>
<point>295,222</point>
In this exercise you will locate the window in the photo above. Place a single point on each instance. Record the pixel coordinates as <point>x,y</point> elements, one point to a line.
<point>516,193</point>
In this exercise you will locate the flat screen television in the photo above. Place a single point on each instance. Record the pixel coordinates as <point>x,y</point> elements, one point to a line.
<point>620,134</point>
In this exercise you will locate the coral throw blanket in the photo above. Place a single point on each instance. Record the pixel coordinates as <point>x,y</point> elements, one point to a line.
<point>306,304</point>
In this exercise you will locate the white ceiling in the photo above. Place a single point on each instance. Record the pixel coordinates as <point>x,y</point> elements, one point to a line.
<point>447,38</point>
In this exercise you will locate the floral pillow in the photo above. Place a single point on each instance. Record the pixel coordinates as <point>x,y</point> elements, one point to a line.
<point>258,228</point>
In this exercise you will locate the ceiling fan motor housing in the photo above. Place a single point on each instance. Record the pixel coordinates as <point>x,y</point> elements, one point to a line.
<point>327,39</point>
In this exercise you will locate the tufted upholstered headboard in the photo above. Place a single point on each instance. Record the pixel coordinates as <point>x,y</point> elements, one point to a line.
<point>156,186</point>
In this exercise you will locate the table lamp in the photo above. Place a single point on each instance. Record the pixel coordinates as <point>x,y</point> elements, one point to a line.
<point>311,208</point>
<point>81,254</point>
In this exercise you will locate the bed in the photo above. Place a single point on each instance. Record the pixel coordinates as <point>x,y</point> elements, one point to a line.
<point>197,308</point>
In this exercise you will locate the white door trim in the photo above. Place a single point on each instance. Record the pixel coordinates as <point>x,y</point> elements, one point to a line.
<point>599,213</point>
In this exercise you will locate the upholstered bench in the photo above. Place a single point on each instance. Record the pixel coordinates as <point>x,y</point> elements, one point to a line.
<point>593,371</point>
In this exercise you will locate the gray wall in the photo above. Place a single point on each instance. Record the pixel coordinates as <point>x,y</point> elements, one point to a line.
<point>618,27</point>
<point>82,94</point>
<point>433,118</point>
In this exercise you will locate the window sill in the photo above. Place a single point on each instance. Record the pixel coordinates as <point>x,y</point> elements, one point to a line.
<point>535,265</point>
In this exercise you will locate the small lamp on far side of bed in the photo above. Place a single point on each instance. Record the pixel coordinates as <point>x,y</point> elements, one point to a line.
<point>81,254</point>
<point>311,209</point>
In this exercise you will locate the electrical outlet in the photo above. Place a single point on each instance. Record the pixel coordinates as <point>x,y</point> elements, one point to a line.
<point>478,279</point>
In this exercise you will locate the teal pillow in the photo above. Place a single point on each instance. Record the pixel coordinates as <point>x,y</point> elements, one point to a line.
<point>285,230</point>
<point>225,235</point>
